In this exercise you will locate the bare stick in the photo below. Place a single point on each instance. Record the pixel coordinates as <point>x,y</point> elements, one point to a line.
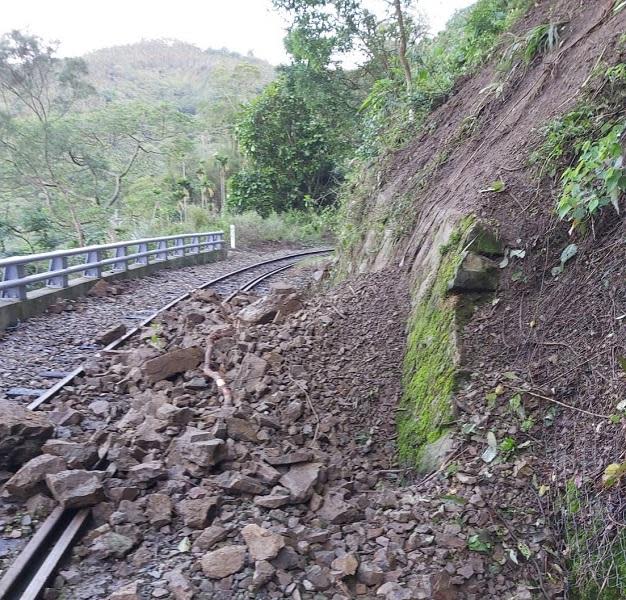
<point>214,375</point>
<point>582,410</point>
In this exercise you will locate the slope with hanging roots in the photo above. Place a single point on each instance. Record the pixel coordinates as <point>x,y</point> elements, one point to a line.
<point>543,350</point>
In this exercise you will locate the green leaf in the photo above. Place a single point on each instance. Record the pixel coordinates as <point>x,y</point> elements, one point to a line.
<point>613,474</point>
<point>524,549</point>
<point>569,253</point>
<point>496,187</point>
<point>478,543</point>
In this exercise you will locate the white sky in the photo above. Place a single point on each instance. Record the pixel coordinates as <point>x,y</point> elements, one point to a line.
<point>239,25</point>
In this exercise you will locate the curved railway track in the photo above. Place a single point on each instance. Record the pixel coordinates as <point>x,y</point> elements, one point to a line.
<point>27,576</point>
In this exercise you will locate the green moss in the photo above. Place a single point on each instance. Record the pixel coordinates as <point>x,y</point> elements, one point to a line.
<point>430,369</point>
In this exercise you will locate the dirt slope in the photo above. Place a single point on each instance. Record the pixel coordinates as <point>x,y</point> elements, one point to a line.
<point>557,342</point>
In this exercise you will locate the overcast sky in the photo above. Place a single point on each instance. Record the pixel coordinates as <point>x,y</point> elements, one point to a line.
<point>239,25</point>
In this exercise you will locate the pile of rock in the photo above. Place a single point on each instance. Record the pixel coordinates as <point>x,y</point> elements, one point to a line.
<point>292,490</point>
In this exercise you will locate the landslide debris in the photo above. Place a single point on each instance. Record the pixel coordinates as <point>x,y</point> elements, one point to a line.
<point>293,491</point>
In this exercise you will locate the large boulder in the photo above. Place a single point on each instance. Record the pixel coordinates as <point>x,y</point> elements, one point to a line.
<point>22,433</point>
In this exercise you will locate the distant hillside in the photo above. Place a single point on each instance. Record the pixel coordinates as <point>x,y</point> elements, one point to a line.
<point>172,71</point>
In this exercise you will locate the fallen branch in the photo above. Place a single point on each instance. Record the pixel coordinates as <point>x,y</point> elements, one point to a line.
<point>215,375</point>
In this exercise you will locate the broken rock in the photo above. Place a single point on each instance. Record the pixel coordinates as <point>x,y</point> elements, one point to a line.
<point>262,543</point>
<point>110,335</point>
<point>172,362</point>
<point>337,511</point>
<point>75,489</point>
<point>223,562</point>
<point>208,538</point>
<point>197,513</point>
<point>345,565</point>
<point>300,480</point>
<point>179,585</point>
<point>22,433</point>
<point>159,509</point>
<point>31,476</point>
<point>74,454</point>
<point>263,572</point>
<point>250,373</point>
<point>128,592</point>
<point>111,544</point>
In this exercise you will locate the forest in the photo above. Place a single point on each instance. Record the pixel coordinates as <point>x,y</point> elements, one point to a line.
<point>161,137</point>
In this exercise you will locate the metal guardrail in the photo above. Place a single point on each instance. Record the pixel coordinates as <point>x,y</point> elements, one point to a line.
<point>91,260</point>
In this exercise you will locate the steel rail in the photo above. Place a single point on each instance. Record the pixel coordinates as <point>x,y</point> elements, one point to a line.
<point>61,528</point>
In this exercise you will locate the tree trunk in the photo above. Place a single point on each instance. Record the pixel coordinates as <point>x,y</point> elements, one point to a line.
<point>222,190</point>
<point>406,67</point>
<point>78,228</point>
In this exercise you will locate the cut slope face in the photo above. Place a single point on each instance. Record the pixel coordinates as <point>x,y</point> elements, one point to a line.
<point>547,347</point>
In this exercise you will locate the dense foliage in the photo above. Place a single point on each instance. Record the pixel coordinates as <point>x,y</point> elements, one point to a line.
<point>303,134</point>
<point>143,138</point>
<point>92,150</point>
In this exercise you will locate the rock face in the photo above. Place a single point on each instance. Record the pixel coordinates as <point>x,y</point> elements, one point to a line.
<point>172,362</point>
<point>262,543</point>
<point>223,562</point>
<point>22,434</point>
<point>76,489</point>
<point>476,273</point>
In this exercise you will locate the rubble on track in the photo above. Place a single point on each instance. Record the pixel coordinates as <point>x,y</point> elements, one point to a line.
<point>289,488</point>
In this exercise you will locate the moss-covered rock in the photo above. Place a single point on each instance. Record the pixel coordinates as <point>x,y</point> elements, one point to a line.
<point>432,359</point>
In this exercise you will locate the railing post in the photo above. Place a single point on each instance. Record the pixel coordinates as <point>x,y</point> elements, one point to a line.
<point>205,244</point>
<point>177,243</point>
<point>11,273</point>
<point>58,281</point>
<point>195,248</point>
<point>142,260</point>
<point>162,245</point>
<point>93,256</point>
<point>121,265</point>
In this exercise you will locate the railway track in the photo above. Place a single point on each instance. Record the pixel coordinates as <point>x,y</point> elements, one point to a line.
<point>29,573</point>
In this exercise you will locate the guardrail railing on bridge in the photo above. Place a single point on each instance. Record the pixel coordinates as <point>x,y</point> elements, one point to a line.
<point>90,260</point>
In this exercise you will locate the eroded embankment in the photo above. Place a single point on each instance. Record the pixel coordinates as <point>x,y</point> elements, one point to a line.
<point>533,382</point>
